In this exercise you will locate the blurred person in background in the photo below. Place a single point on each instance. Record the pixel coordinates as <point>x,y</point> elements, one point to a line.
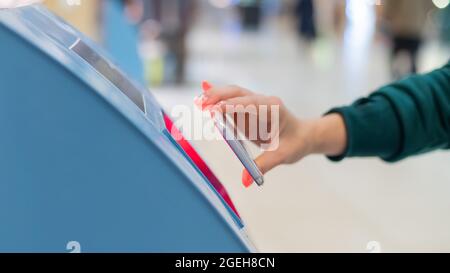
<point>402,119</point>
<point>405,22</point>
<point>250,11</point>
<point>306,25</point>
<point>175,17</point>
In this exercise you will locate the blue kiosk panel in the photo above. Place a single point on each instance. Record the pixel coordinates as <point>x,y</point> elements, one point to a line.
<point>85,159</point>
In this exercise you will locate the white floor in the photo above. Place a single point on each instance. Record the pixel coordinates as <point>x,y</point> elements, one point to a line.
<point>316,205</point>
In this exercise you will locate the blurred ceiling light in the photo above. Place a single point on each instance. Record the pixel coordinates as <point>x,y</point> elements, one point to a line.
<point>441,4</point>
<point>358,36</point>
<point>358,11</point>
<point>373,2</point>
<point>16,3</point>
<point>221,4</point>
<point>73,2</point>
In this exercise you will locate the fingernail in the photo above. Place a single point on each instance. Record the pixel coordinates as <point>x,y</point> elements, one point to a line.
<point>247,180</point>
<point>206,86</point>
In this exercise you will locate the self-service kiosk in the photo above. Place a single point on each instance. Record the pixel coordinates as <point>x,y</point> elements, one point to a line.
<point>86,161</point>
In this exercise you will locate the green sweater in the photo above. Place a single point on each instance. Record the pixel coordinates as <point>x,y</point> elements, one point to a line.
<point>406,118</point>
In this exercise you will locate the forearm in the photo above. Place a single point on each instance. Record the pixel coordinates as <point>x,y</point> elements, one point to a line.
<point>402,119</point>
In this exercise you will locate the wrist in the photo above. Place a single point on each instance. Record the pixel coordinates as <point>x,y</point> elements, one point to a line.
<point>306,137</point>
<point>328,135</point>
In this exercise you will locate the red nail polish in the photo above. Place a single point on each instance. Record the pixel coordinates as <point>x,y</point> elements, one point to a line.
<point>206,86</point>
<point>247,180</point>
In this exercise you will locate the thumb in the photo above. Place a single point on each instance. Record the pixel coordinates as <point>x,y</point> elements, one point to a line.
<point>265,162</point>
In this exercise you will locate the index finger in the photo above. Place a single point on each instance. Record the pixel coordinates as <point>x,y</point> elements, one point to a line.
<point>216,94</point>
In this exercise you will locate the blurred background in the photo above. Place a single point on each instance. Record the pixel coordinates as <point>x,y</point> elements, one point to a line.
<point>314,54</point>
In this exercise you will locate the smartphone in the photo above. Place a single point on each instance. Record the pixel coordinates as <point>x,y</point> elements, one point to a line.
<point>227,130</point>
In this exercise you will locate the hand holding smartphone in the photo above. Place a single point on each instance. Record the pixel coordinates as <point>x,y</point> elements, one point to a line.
<point>226,128</point>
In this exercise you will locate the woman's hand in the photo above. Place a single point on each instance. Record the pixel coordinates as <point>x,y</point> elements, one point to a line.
<point>295,138</point>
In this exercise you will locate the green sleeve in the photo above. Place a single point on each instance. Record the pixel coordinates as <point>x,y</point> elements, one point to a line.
<point>406,118</point>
